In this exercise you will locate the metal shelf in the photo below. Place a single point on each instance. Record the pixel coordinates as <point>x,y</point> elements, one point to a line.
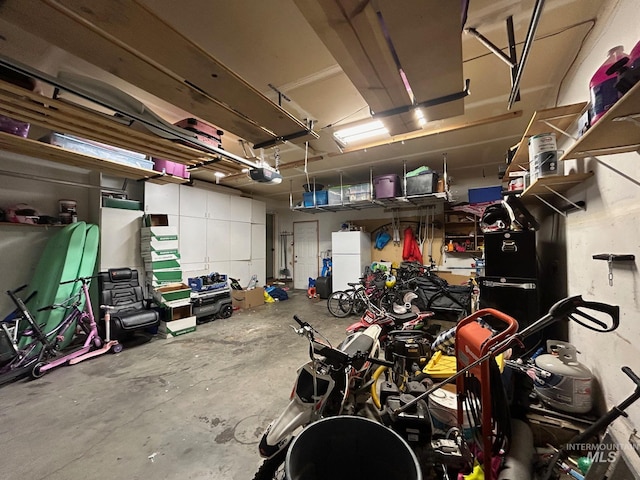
<point>396,202</point>
<point>618,130</point>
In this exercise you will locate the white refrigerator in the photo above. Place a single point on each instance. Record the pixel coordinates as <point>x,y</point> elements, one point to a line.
<point>350,255</point>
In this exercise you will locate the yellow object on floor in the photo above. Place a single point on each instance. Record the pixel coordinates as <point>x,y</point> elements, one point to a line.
<point>477,474</point>
<point>444,366</point>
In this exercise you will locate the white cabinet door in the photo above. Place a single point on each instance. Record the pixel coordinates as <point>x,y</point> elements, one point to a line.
<point>191,270</point>
<point>193,202</point>
<point>240,241</point>
<point>218,206</point>
<point>120,238</point>
<point>162,198</point>
<point>258,241</point>
<point>218,241</point>
<point>259,268</point>
<point>193,240</point>
<point>240,209</point>
<point>258,212</point>
<point>241,271</point>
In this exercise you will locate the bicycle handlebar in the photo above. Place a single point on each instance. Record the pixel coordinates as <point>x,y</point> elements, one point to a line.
<point>300,322</point>
<point>79,279</point>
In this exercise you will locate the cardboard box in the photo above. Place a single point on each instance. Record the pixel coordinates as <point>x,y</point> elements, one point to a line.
<point>172,292</point>
<point>158,234</point>
<point>159,246</point>
<point>160,256</point>
<point>162,265</point>
<point>155,220</point>
<point>247,298</point>
<point>164,277</point>
<point>175,328</point>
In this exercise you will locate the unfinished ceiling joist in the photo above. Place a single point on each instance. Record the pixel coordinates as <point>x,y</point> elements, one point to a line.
<point>403,53</point>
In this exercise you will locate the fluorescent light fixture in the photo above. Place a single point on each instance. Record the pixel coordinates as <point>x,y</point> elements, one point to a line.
<point>420,116</point>
<point>219,174</point>
<point>371,129</point>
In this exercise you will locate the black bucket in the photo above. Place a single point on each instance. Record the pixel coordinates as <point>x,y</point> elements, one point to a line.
<point>350,448</point>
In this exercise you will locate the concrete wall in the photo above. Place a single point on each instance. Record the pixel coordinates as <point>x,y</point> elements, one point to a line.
<point>610,224</point>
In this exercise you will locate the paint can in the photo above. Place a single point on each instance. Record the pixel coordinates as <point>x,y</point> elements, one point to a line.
<point>544,142</point>
<point>546,163</point>
<point>68,206</point>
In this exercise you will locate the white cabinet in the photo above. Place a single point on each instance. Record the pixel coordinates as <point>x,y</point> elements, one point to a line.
<point>240,233</point>
<point>193,240</point>
<point>258,241</point>
<point>120,238</point>
<point>218,232</point>
<point>219,241</point>
<point>193,202</point>
<point>219,206</point>
<point>258,212</point>
<point>162,199</point>
<point>240,209</point>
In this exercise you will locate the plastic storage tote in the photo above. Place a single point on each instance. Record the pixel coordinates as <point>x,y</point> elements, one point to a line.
<point>321,198</point>
<point>170,168</point>
<point>485,194</point>
<point>14,127</point>
<point>387,186</point>
<point>338,195</point>
<point>359,192</point>
<point>424,183</point>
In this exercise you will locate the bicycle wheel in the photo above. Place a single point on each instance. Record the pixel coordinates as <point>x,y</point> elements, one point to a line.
<point>340,303</point>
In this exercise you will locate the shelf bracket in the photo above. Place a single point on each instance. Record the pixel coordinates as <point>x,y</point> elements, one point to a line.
<point>622,174</point>
<point>566,134</point>
<point>579,206</point>
<point>611,258</point>
<point>629,118</point>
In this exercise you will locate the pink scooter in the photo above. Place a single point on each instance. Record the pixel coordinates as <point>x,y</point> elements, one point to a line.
<point>93,344</point>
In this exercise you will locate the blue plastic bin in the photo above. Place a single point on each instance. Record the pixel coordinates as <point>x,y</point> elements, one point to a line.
<point>485,194</point>
<point>322,198</point>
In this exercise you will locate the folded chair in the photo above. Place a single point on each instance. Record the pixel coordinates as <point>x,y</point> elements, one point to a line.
<point>132,313</point>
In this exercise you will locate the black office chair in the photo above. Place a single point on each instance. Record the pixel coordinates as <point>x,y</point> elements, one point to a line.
<point>132,313</point>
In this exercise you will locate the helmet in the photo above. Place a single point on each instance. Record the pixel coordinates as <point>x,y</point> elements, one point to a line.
<point>390,282</point>
<point>497,217</point>
<point>22,213</point>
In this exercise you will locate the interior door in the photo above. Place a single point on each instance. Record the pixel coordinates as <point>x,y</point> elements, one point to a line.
<point>305,253</point>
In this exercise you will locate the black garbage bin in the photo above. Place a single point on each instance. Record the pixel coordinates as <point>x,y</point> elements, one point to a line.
<point>348,448</point>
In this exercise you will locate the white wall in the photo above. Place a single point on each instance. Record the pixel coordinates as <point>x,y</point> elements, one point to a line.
<point>610,224</point>
<point>20,246</point>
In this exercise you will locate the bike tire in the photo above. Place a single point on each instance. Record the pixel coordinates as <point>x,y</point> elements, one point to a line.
<point>340,303</point>
<point>272,468</point>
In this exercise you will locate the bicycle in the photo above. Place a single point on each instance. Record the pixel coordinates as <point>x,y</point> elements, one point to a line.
<point>360,297</point>
<point>43,353</point>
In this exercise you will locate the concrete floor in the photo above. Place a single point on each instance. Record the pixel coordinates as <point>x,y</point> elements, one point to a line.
<point>190,407</point>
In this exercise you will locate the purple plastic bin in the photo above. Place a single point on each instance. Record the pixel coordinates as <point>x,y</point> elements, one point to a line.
<point>170,168</point>
<point>387,186</point>
<point>14,127</point>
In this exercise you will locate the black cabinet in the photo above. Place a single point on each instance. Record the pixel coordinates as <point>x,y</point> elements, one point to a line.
<point>517,297</point>
<point>510,254</point>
